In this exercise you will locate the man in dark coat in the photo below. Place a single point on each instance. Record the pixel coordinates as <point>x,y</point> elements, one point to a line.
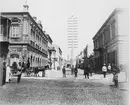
<point>75,71</point>
<point>86,71</point>
<point>64,71</point>
<point>4,72</point>
<point>19,73</point>
<point>72,70</point>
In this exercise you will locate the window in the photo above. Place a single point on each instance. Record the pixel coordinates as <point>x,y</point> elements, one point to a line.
<point>1,29</point>
<point>15,20</point>
<point>104,37</point>
<point>108,33</point>
<point>15,31</point>
<point>113,28</point>
<point>101,39</point>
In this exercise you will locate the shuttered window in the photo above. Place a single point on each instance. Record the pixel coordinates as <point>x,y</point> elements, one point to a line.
<point>15,31</point>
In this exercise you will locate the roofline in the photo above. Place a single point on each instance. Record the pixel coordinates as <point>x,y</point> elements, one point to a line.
<point>54,45</point>
<point>2,17</point>
<point>49,38</point>
<point>113,13</point>
<point>60,49</point>
<point>4,13</point>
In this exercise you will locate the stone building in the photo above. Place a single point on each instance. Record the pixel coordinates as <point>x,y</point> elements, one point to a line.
<point>111,41</point>
<point>4,43</point>
<point>80,59</point>
<point>50,50</point>
<point>57,60</point>
<point>4,36</point>
<point>27,40</point>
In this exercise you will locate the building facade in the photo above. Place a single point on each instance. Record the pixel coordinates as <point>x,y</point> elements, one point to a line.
<point>57,60</point>
<point>50,50</point>
<point>85,63</point>
<point>4,36</point>
<point>111,41</point>
<point>80,59</point>
<point>4,43</point>
<point>27,40</point>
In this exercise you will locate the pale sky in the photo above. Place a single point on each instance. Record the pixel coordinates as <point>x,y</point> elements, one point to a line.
<point>54,14</point>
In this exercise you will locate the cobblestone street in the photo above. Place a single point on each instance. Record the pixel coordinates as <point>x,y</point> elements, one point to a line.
<point>61,92</point>
<point>64,52</point>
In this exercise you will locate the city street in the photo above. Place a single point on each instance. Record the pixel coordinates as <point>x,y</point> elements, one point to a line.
<point>62,91</point>
<point>64,55</point>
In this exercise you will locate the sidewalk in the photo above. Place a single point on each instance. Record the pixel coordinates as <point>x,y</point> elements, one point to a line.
<point>53,73</point>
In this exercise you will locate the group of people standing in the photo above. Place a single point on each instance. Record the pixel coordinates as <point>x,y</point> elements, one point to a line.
<point>7,73</point>
<point>87,71</point>
<point>112,68</point>
<point>74,70</point>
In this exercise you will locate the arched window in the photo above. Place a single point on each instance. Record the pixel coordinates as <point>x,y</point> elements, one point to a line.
<point>14,56</point>
<point>15,20</point>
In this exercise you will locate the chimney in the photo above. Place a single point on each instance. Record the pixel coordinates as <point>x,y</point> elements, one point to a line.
<point>39,22</point>
<point>25,7</point>
<point>44,32</point>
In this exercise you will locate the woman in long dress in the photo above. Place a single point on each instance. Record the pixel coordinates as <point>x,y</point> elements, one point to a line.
<point>8,74</point>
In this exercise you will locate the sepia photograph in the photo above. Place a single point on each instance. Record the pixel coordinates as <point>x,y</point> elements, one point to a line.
<point>64,52</point>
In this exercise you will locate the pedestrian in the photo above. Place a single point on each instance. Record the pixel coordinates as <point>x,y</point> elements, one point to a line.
<point>8,74</point>
<point>86,72</point>
<point>72,70</point>
<point>75,71</point>
<point>23,67</point>
<point>104,70</point>
<point>4,73</point>
<point>90,70</point>
<point>115,76</point>
<point>19,73</point>
<point>64,71</point>
<point>35,71</point>
<point>109,67</point>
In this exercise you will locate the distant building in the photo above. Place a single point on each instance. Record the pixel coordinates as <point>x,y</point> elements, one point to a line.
<point>111,41</point>
<point>27,40</point>
<point>80,59</point>
<point>66,63</point>
<point>50,50</point>
<point>57,58</point>
<point>85,63</point>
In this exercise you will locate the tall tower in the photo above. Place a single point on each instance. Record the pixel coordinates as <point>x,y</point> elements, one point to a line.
<point>72,36</point>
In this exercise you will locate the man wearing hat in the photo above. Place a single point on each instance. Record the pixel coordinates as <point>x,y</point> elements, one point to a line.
<point>104,70</point>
